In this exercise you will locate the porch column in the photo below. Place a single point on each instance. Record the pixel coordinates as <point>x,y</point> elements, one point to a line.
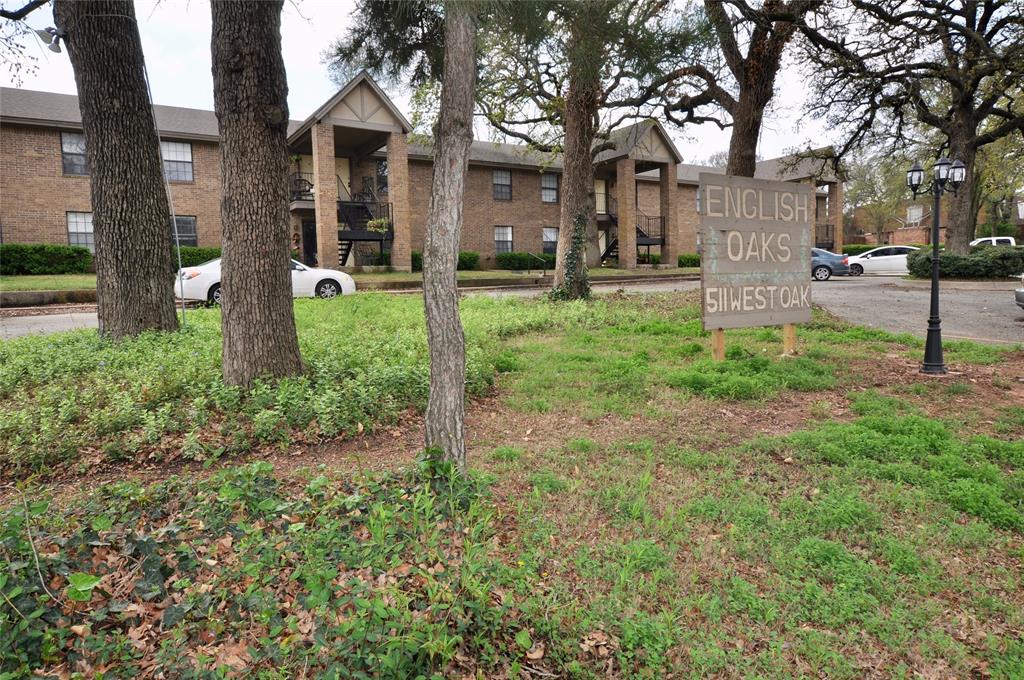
<point>668,188</point>
<point>398,194</point>
<point>625,196</point>
<point>325,195</point>
<point>835,212</point>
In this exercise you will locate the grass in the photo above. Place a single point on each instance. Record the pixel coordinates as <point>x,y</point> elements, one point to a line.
<point>633,510</point>
<point>48,282</point>
<point>88,281</point>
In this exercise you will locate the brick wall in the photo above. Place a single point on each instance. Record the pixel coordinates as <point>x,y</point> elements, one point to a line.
<point>649,203</point>
<point>525,213</point>
<point>35,194</point>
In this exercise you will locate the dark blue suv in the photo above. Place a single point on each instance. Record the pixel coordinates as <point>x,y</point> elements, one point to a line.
<point>824,264</point>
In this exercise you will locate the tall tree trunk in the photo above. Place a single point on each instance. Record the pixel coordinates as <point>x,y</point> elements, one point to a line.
<point>747,117</point>
<point>454,134</point>
<point>131,218</point>
<point>963,212</point>
<point>250,93</point>
<point>581,106</point>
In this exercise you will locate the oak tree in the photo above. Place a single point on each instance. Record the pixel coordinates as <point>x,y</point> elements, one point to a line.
<point>882,67</point>
<point>131,215</point>
<point>250,93</point>
<point>423,43</point>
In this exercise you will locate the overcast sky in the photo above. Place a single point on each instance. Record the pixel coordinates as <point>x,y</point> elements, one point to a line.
<point>176,42</point>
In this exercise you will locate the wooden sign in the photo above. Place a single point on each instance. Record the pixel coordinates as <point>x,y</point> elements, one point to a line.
<point>755,263</point>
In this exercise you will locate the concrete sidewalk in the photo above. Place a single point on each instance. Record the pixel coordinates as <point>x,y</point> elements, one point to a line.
<point>15,326</point>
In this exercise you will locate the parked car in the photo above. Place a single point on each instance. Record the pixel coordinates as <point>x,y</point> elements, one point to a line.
<point>994,241</point>
<point>883,260</point>
<point>202,282</point>
<point>825,264</point>
<point>1018,294</point>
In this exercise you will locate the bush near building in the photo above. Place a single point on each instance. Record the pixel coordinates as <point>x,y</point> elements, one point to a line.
<point>984,263</point>
<point>192,256</point>
<point>524,261</point>
<point>468,261</point>
<point>858,248</point>
<point>689,260</point>
<point>43,258</point>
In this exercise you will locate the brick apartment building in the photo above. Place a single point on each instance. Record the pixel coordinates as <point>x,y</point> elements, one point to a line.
<point>359,188</point>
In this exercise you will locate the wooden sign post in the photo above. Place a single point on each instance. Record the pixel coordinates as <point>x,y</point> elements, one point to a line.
<point>755,256</point>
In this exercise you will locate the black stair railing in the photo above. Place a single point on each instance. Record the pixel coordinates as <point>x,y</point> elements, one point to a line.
<point>650,227</point>
<point>300,186</point>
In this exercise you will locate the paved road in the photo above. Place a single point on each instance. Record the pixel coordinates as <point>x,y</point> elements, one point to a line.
<point>874,301</point>
<point>890,303</point>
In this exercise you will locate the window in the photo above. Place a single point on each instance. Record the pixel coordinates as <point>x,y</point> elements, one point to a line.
<point>186,227</point>
<point>549,187</point>
<point>177,161</point>
<point>915,213</point>
<point>80,230</point>
<point>550,239</point>
<point>72,153</point>
<point>503,185</point>
<point>502,240</point>
<point>382,176</point>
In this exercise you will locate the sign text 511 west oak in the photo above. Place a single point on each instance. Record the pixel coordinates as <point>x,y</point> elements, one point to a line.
<point>756,251</point>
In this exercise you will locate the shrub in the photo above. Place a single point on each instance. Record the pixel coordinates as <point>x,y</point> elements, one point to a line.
<point>468,261</point>
<point>43,258</point>
<point>985,263</point>
<point>858,248</point>
<point>192,256</point>
<point>653,259</point>
<point>689,260</point>
<point>523,261</point>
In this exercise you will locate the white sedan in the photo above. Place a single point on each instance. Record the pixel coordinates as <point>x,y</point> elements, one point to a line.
<point>884,260</point>
<point>202,282</point>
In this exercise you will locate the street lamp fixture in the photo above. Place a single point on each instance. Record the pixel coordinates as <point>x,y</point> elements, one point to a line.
<point>948,177</point>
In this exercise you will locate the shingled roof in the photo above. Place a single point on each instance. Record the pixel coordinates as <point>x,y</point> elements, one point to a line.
<point>32,107</point>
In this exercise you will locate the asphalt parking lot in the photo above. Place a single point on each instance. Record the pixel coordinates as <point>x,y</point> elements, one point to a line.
<point>985,314</point>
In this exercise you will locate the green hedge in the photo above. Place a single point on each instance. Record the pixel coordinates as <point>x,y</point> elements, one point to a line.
<point>986,263</point>
<point>43,258</point>
<point>689,260</point>
<point>858,248</point>
<point>193,255</point>
<point>468,261</point>
<point>523,261</point>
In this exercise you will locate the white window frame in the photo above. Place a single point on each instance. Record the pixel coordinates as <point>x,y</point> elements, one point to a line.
<point>499,249</point>
<point>177,161</point>
<point>545,191</point>
<point>545,240</point>
<point>501,174</point>
<point>76,140</point>
<point>80,232</point>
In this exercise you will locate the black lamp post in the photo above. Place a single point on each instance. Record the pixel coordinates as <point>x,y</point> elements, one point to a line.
<point>948,177</point>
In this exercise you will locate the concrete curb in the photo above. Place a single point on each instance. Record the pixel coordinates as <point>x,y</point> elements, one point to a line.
<point>952,284</point>
<point>39,298</point>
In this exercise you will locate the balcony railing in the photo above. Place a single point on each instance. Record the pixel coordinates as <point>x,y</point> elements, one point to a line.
<point>651,228</point>
<point>302,188</point>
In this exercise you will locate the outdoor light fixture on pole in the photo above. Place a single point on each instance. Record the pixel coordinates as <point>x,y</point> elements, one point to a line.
<point>948,177</point>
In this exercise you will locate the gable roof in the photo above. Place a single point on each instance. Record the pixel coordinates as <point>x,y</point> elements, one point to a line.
<point>350,86</point>
<point>634,141</point>
<point>33,107</point>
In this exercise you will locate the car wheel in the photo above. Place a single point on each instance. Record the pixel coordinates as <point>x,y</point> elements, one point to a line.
<point>328,289</point>
<point>821,273</point>
<point>856,270</point>
<point>214,296</point>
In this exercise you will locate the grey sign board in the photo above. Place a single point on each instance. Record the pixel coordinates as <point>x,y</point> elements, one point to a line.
<point>755,262</point>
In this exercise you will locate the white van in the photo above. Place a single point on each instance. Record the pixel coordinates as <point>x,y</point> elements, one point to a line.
<point>994,241</point>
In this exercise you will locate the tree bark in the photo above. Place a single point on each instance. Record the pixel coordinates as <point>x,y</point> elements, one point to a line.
<point>963,212</point>
<point>582,99</point>
<point>131,217</point>
<point>453,136</point>
<point>250,92</point>
<point>747,117</point>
